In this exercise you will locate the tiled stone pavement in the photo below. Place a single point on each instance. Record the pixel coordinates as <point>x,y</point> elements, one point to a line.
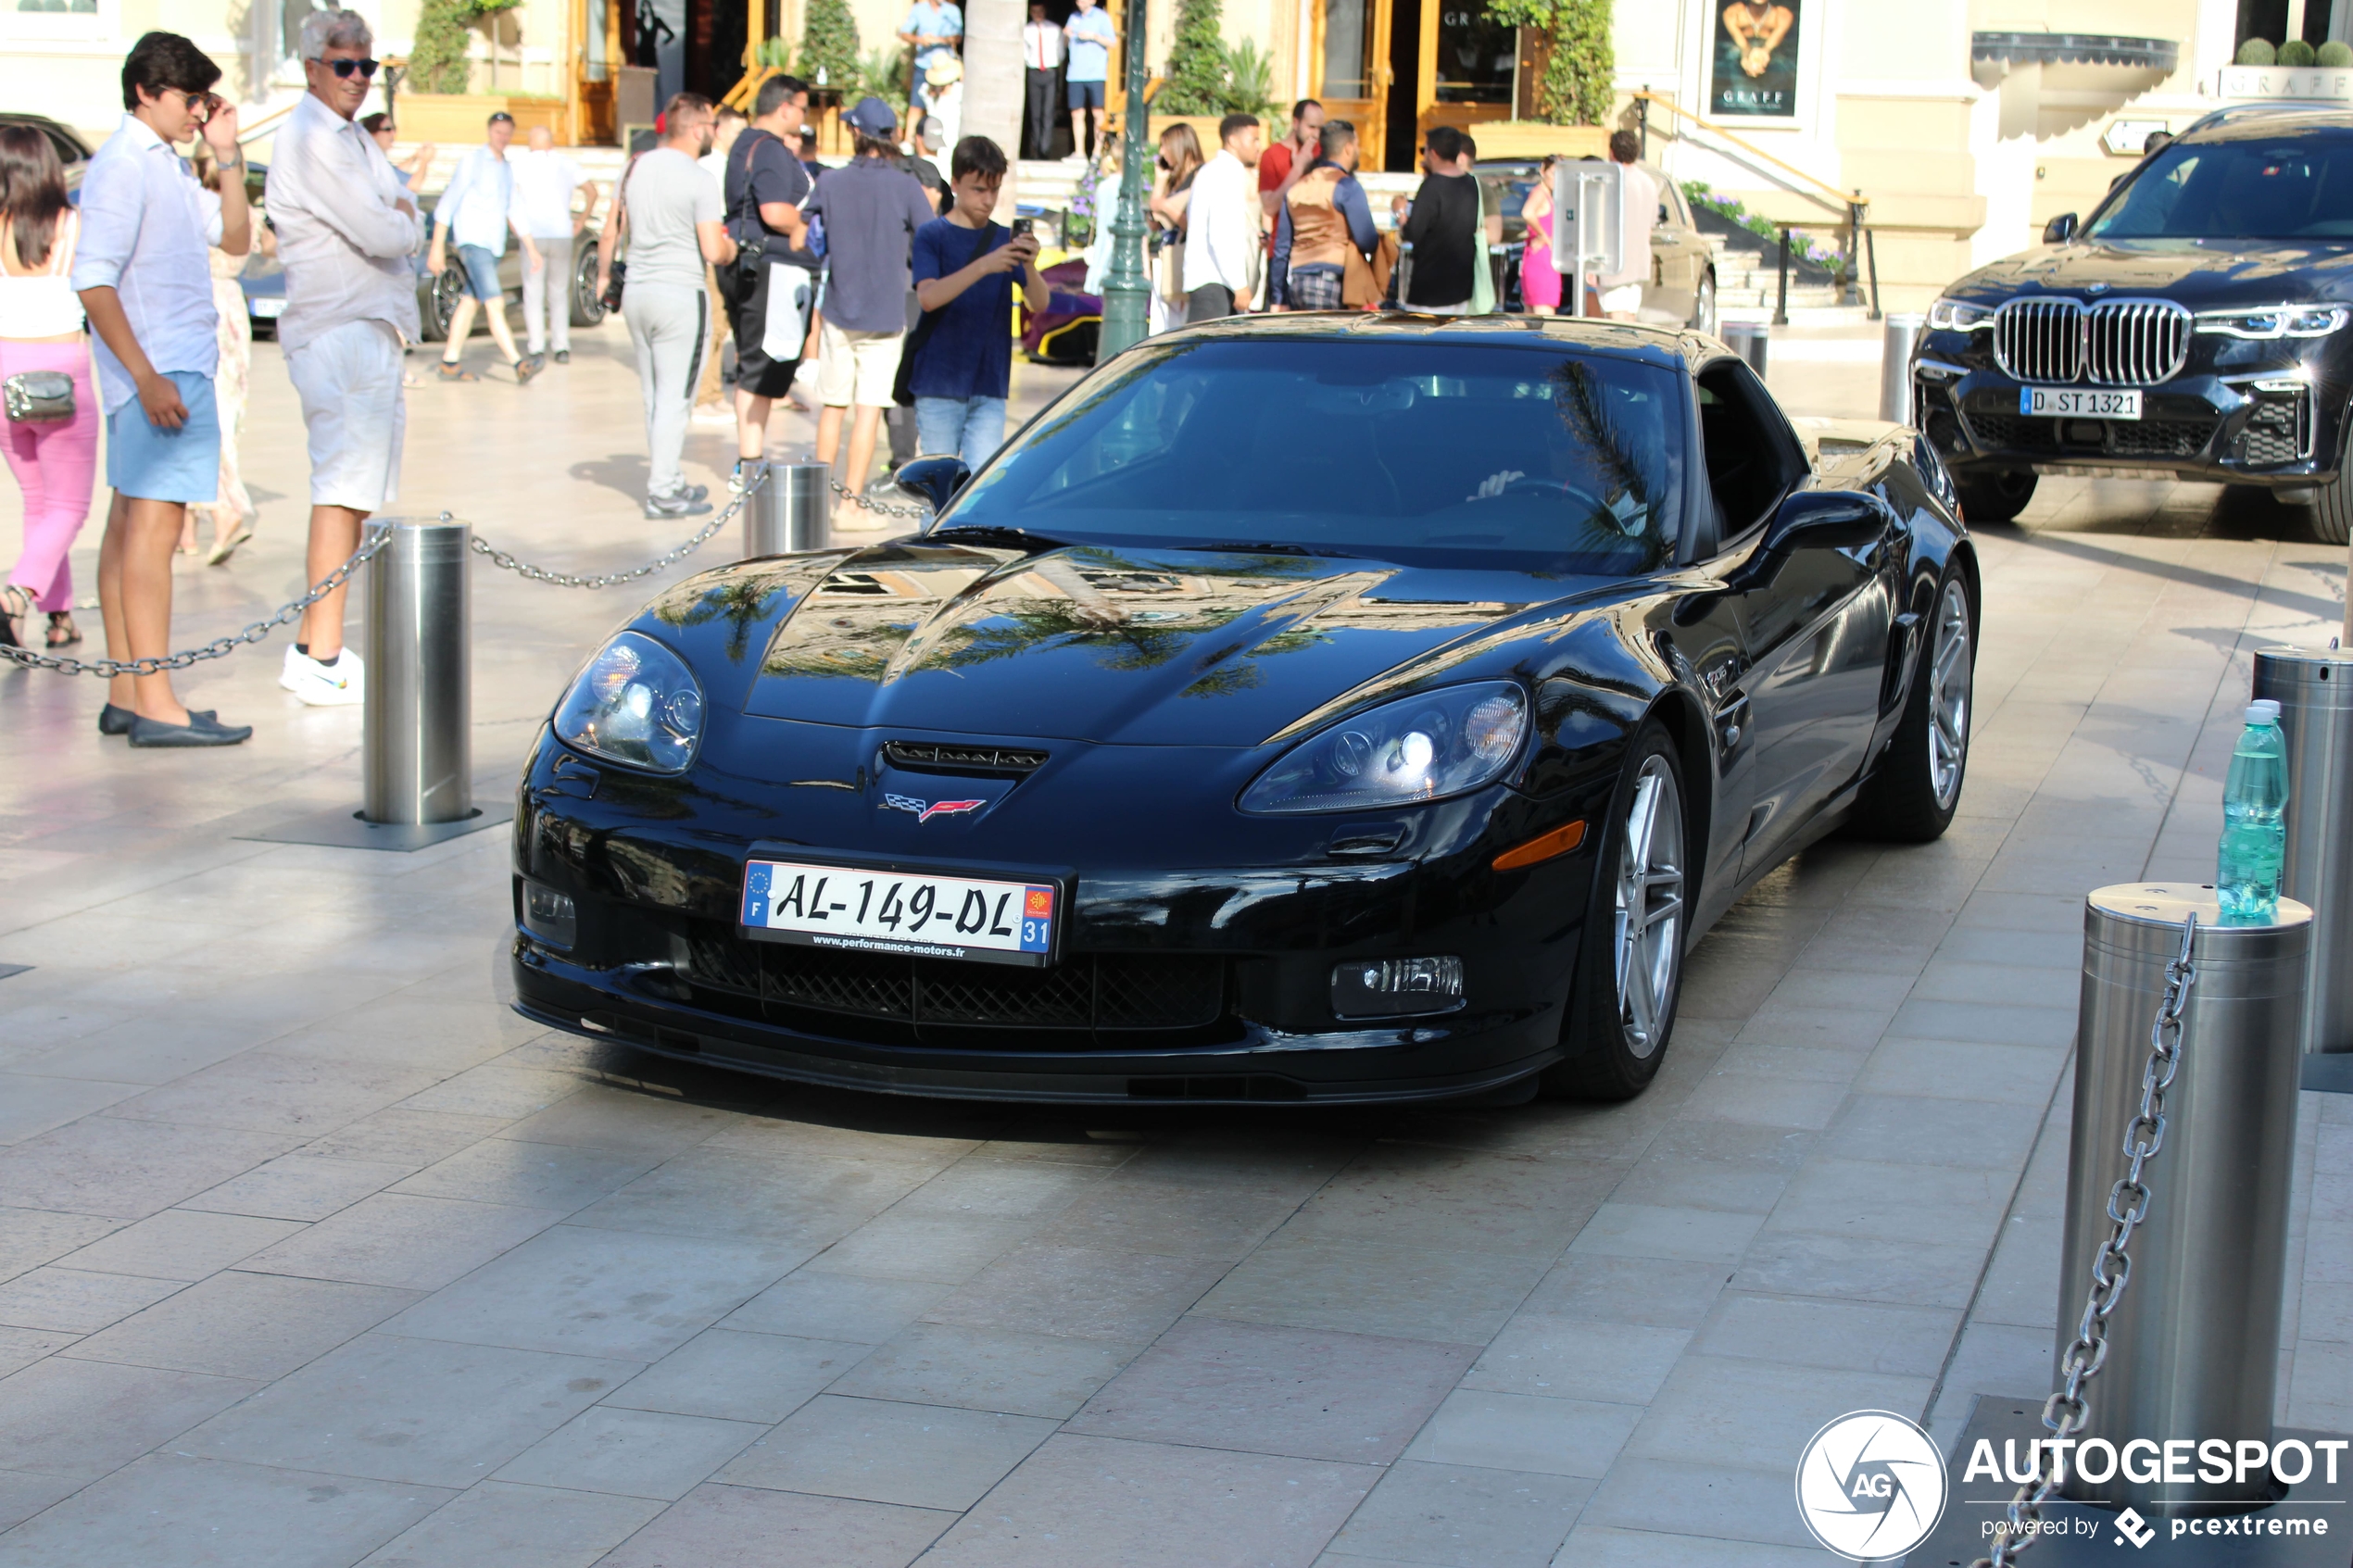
<point>311,1253</point>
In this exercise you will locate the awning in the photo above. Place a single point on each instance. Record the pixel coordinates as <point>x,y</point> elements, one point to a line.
<point>2075,49</point>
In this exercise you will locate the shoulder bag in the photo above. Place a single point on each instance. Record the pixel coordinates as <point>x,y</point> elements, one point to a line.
<point>32,397</point>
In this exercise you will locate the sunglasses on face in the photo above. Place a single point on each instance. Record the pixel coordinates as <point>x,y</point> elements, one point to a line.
<point>345,67</point>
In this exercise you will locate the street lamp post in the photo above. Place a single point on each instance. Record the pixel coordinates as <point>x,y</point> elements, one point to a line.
<point>1127,290</point>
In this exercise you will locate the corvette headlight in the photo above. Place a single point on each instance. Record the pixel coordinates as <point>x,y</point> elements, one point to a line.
<point>2276,320</point>
<point>1426,747</point>
<point>1957,316</point>
<point>636,703</point>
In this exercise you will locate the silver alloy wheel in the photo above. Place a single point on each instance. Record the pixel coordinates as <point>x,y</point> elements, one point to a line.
<point>1650,905</point>
<point>1950,684</point>
<point>1704,316</point>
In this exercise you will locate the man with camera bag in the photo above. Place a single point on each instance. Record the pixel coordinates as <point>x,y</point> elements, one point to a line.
<point>773,280</point>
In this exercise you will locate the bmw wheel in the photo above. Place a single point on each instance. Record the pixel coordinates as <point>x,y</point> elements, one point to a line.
<point>1912,795</point>
<point>2330,509</point>
<point>1630,971</point>
<point>1993,497</point>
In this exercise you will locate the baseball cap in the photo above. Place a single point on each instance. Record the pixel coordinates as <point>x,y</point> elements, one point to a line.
<point>498,115</point>
<point>872,117</point>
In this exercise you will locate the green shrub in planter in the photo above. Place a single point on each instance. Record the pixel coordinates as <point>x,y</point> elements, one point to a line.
<point>2295,52</point>
<point>2334,54</point>
<point>2255,52</point>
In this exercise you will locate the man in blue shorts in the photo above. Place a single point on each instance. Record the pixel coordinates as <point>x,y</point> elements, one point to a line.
<point>1090,35</point>
<point>146,283</point>
<point>934,30</point>
<point>475,214</point>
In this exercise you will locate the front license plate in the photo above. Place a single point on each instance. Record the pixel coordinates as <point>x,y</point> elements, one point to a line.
<point>2059,401</point>
<point>887,911</point>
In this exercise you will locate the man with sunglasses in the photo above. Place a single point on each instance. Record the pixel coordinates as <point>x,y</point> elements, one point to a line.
<point>144,274</point>
<point>347,229</point>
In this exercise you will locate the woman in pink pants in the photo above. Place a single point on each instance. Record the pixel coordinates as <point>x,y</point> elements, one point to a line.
<point>41,329</point>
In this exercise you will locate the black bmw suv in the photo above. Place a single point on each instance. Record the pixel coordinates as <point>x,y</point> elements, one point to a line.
<point>2194,326</point>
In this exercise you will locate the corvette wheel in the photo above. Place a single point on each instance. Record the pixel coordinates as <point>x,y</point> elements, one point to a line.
<point>1913,795</point>
<point>1630,964</point>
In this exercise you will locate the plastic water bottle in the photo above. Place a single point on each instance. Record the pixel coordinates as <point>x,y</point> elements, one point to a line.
<point>2246,878</point>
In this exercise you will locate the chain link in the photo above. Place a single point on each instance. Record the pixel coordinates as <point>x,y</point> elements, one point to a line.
<point>524,569</point>
<point>915,514</point>
<point>219,648</point>
<point>2066,1412</point>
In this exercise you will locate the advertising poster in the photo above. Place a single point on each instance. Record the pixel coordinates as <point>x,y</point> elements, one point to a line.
<point>1755,73</point>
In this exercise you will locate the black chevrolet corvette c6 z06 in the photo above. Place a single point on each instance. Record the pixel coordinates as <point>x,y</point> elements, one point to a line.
<point>1314,709</point>
<point>2194,325</point>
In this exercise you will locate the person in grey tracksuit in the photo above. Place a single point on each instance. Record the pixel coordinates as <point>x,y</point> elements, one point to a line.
<point>671,216</point>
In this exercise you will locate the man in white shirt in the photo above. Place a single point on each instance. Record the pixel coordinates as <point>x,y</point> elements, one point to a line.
<point>544,182</point>
<point>142,269</point>
<point>1225,225</point>
<point>347,230</point>
<point>1041,54</point>
<point>1619,294</point>
<point>476,211</point>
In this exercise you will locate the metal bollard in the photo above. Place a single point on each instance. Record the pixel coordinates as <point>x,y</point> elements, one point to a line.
<point>2314,689</point>
<point>1748,339</point>
<point>1900,336</point>
<point>416,729</point>
<point>792,512</point>
<point>2193,1347</point>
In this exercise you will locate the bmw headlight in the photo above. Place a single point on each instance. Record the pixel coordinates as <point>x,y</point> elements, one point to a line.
<point>2276,320</point>
<point>636,703</point>
<point>1957,316</point>
<point>1426,747</point>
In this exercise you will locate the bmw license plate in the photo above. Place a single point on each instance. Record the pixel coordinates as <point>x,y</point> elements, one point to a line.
<point>2064,402</point>
<point>928,915</point>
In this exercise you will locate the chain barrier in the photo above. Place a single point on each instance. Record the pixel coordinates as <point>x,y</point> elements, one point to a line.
<point>219,648</point>
<point>915,514</point>
<point>524,569</point>
<point>2066,1412</point>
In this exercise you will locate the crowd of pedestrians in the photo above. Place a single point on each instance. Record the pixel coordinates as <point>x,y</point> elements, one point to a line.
<point>886,286</point>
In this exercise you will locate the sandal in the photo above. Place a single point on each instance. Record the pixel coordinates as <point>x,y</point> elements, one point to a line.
<point>223,548</point>
<point>63,632</point>
<point>15,605</point>
<point>453,370</point>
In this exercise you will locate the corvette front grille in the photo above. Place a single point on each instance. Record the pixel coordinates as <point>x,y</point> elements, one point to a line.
<point>2116,342</point>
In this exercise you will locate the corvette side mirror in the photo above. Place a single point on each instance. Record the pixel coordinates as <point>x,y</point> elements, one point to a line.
<point>2060,230</point>
<point>933,481</point>
<point>1822,520</point>
<point>1810,519</point>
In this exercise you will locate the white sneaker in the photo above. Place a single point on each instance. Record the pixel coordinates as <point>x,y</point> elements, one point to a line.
<point>324,686</point>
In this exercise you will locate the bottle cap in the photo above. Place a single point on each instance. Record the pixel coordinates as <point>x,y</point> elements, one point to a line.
<point>2263,710</point>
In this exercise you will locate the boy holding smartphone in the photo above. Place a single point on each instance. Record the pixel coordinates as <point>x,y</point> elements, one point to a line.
<point>961,370</point>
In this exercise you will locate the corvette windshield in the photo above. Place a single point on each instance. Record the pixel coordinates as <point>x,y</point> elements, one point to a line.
<point>1421,454</point>
<point>2297,187</point>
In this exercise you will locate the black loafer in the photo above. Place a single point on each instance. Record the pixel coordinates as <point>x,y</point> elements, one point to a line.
<point>113,720</point>
<point>202,729</point>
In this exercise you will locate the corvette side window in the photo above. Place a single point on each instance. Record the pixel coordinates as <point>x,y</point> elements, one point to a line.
<point>1753,459</point>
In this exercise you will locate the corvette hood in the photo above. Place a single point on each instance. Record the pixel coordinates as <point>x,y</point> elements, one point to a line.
<point>1140,646</point>
<point>2202,274</point>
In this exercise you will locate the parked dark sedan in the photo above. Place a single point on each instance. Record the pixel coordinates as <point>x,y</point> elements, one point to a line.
<point>2193,326</point>
<point>1185,756</point>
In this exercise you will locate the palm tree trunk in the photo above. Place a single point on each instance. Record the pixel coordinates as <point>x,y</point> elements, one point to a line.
<point>993,82</point>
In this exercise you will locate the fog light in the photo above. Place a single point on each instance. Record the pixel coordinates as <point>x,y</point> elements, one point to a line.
<point>549,915</point>
<point>1389,987</point>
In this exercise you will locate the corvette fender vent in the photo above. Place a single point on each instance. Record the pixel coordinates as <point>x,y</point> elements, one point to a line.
<point>931,756</point>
